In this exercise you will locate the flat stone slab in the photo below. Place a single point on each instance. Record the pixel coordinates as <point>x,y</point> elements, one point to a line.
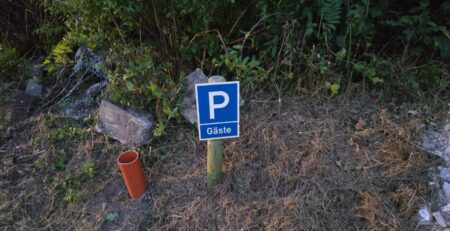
<point>128,126</point>
<point>33,88</point>
<point>440,219</point>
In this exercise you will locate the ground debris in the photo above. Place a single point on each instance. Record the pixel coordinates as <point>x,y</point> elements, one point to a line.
<point>361,125</point>
<point>328,177</point>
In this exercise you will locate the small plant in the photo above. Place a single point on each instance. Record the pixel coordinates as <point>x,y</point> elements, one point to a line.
<point>334,88</point>
<point>8,58</point>
<point>64,134</point>
<point>59,56</point>
<point>70,196</point>
<point>244,68</point>
<point>74,182</point>
<point>60,162</point>
<point>38,164</point>
<point>377,70</point>
<point>88,169</point>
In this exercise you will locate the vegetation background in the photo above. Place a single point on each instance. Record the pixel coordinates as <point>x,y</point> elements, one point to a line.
<point>390,49</point>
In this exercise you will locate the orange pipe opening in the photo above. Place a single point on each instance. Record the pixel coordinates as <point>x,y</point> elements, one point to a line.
<point>132,173</point>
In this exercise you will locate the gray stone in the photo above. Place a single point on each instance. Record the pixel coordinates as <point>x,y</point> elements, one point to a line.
<point>424,215</point>
<point>445,208</point>
<point>413,112</point>
<point>33,88</point>
<point>444,173</point>
<point>87,59</point>
<point>128,126</point>
<point>77,109</point>
<point>447,132</point>
<point>440,219</point>
<point>188,106</point>
<point>446,188</point>
<point>96,88</point>
<point>217,79</point>
<point>435,142</point>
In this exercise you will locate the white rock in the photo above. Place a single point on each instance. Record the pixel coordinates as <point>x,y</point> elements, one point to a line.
<point>446,188</point>
<point>440,219</point>
<point>424,215</point>
<point>444,173</point>
<point>445,208</point>
<point>413,112</point>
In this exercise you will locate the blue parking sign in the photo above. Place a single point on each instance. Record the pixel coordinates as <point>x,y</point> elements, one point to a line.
<point>218,110</point>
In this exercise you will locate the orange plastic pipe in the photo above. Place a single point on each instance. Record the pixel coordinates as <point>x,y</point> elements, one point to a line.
<point>133,175</point>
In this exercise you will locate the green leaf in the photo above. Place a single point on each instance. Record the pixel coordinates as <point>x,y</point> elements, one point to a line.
<point>159,130</point>
<point>340,41</point>
<point>335,88</point>
<point>130,85</point>
<point>341,54</point>
<point>376,80</point>
<point>237,47</point>
<point>410,34</point>
<point>112,216</point>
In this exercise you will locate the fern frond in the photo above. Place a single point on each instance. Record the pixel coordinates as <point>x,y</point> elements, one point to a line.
<point>331,14</point>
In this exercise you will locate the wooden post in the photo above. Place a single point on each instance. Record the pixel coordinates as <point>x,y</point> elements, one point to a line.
<point>214,159</point>
<point>214,162</point>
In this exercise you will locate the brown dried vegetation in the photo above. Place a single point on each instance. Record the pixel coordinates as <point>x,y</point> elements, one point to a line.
<point>298,165</point>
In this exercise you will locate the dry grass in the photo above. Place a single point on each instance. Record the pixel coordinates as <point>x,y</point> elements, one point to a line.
<point>298,165</point>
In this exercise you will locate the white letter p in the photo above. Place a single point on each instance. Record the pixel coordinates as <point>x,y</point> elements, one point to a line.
<point>213,106</point>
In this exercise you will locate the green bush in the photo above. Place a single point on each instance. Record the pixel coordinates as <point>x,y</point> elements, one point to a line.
<point>8,58</point>
<point>269,44</point>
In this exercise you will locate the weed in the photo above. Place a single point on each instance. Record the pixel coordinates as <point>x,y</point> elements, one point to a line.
<point>8,57</point>
<point>38,164</point>
<point>70,196</point>
<point>75,181</point>
<point>60,162</point>
<point>88,169</point>
<point>63,135</point>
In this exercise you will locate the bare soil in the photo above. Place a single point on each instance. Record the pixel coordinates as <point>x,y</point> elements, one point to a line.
<point>301,163</point>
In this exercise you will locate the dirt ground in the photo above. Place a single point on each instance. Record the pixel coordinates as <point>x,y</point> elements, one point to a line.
<point>301,163</point>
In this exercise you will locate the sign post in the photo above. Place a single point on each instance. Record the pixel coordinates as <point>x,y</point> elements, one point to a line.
<point>218,118</point>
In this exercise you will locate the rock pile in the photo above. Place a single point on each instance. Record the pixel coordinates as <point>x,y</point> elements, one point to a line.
<point>438,143</point>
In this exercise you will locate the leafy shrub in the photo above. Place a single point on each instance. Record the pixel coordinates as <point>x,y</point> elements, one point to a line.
<point>282,45</point>
<point>8,58</point>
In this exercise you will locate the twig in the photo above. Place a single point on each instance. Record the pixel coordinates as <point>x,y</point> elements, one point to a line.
<point>68,94</point>
<point>118,29</point>
<point>237,20</point>
<point>427,151</point>
<point>208,31</point>
<point>247,35</point>
<point>34,154</point>
<point>73,89</point>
